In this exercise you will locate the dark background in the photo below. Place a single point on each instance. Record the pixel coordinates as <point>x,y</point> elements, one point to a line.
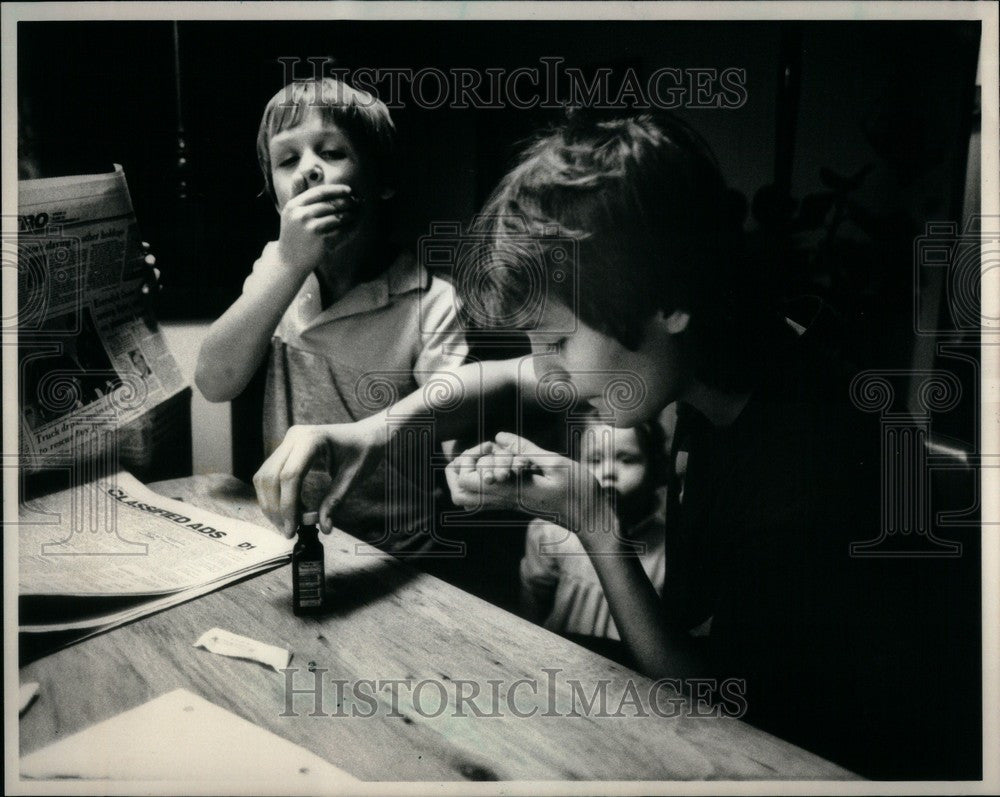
<point>895,98</point>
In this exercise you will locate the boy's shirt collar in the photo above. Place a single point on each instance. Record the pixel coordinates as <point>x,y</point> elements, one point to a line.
<point>406,274</point>
<point>403,276</point>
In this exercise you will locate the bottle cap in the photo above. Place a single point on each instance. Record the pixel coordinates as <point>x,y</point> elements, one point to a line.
<point>310,518</point>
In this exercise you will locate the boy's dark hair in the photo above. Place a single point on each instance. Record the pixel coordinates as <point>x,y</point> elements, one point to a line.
<point>654,225</point>
<point>363,117</point>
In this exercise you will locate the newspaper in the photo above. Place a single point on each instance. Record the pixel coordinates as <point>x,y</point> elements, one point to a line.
<point>113,551</point>
<point>90,361</point>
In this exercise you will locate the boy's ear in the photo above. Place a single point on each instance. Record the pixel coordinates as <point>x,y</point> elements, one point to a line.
<point>387,193</point>
<point>676,322</point>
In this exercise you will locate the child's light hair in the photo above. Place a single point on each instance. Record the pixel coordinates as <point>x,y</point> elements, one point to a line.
<point>363,117</point>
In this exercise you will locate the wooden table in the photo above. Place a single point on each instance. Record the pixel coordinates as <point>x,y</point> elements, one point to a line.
<point>389,621</point>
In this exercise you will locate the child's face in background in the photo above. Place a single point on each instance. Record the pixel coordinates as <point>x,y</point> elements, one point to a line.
<point>617,459</point>
<point>318,152</point>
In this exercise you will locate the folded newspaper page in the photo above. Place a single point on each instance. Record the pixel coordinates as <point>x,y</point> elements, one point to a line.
<point>111,550</point>
<point>89,359</point>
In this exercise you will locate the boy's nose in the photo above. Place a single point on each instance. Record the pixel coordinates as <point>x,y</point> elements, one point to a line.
<point>308,176</point>
<point>311,168</point>
<point>546,364</point>
<point>314,175</point>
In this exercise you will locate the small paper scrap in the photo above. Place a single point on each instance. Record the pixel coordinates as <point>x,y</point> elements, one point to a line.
<point>29,690</point>
<point>226,643</point>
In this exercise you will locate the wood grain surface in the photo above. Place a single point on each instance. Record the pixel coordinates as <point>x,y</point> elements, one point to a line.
<point>385,621</point>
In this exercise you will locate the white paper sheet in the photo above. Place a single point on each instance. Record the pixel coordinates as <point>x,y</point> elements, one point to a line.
<point>180,736</point>
<point>226,643</point>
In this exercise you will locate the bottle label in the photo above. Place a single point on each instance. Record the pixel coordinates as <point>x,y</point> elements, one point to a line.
<point>309,577</point>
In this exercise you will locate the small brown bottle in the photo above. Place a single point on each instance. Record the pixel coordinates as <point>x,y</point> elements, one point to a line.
<point>308,571</point>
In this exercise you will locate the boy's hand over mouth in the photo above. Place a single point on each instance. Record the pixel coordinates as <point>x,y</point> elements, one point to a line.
<point>309,221</point>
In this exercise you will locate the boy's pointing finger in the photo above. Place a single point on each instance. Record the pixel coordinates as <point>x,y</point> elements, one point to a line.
<point>267,485</point>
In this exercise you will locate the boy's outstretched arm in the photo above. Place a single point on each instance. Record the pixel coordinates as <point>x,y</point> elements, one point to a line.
<point>238,341</point>
<point>351,450</point>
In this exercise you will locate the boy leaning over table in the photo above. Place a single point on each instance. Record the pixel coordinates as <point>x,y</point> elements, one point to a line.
<point>845,656</point>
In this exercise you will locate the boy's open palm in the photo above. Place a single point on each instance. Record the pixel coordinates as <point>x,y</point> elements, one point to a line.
<point>311,221</point>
